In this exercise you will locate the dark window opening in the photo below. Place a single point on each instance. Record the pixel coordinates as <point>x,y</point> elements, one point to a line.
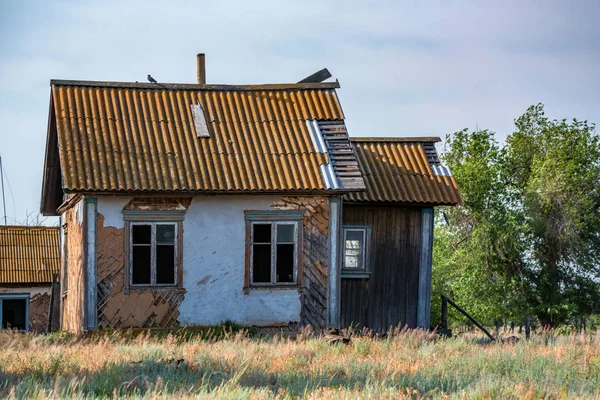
<point>165,264</point>
<point>165,254</point>
<point>141,265</point>
<point>261,254</point>
<point>262,263</point>
<point>153,254</point>
<point>285,263</point>
<point>273,258</point>
<point>14,314</point>
<point>141,238</point>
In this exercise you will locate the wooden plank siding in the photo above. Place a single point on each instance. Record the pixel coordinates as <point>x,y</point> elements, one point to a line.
<point>390,296</point>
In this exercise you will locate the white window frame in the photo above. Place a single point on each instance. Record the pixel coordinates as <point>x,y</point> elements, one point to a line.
<point>153,244</point>
<point>365,250</point>
<point>274,243</point>
<point>15,296</point>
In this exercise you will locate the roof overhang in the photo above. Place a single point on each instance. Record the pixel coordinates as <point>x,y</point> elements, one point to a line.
<point>52,193</point>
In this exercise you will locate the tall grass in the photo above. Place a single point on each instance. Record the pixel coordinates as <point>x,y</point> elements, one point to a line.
<point>404,364</point>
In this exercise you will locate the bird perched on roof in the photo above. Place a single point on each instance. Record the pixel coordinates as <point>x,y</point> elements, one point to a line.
<point>151,79</point>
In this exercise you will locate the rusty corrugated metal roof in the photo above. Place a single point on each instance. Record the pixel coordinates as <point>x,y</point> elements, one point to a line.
<point>141,137</point>
<point>28,254</point>
<point>397,170</point>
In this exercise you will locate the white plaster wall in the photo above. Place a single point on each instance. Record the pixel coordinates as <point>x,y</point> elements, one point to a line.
<point>214,235</point>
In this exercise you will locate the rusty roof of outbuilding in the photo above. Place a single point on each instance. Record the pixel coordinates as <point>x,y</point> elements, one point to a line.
<point>28,254</point>
<point>122,137</point>
<point>401,170</point>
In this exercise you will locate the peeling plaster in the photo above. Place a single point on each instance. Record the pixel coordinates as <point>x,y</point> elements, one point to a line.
<point>218,222</point>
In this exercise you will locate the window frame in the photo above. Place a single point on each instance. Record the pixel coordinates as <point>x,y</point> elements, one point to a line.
<point>153,250</point>
<point>153,218</point>
<point>16,296</point>
<point>275,218</point>
<point>366,269</point>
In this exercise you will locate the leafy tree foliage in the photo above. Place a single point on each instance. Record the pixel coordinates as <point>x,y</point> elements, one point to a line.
<point>527,238</point>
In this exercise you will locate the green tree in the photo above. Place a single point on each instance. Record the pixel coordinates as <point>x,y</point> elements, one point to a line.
<point>527,238</point>
<point>552,170</point>
<point>477,246</point>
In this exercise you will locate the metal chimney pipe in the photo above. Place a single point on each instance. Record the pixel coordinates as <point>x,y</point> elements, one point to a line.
<point>200,58</point>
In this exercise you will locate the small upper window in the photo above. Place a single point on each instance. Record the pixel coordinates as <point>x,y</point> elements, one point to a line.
<point>153,254</point>
<point>355,249</point>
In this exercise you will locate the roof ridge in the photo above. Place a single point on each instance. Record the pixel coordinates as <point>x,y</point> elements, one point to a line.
<point>28,227</point>
<point>194,86</point>
<point>402,139</point>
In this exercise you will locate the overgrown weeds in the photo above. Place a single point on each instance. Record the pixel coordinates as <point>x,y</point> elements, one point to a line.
<point>228,362</point>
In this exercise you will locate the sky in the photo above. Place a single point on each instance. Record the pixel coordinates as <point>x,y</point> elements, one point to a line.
<point>406,68</point>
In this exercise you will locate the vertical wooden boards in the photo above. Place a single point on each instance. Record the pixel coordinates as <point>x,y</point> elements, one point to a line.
<point>354,303</point>
<point>424,301</point>
<point>390,296</point>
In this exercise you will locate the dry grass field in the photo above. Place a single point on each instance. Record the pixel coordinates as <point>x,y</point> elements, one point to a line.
<point>404,364</point>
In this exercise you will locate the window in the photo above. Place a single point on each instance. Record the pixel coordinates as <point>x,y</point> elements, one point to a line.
<point>273,247</point>
<point>153,253</point>
<point>356,240</point>
<point>14,312</point>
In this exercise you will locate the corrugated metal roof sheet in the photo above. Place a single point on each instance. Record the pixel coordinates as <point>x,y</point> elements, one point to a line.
<point>141,137</point>
<point>28,254</point>
<point>397,170</point>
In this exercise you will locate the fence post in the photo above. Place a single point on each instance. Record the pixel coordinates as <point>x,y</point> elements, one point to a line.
<point>444,314</point>
<point>54,311</point>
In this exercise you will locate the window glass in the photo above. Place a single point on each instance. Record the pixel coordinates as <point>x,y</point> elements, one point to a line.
<point>354,249</point>
<point>285,233</point>
<point>354,239</point>
<point>165,234</point>
<point>261,261</point>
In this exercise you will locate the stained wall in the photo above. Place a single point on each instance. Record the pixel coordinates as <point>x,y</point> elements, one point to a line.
<point>213,268</point>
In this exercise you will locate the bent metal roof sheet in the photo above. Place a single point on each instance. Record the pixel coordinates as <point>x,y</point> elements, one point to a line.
<point>399,170</point>
<point>28,254</point>
<point>142,137</point>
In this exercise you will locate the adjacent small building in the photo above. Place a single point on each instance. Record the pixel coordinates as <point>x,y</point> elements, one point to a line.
<point>192,204</point>
<point>29,259</point>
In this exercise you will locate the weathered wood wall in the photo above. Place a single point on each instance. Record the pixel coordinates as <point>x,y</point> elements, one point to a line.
<point>315,256</point>
<point>39,309</point>
<point>73,270</point>
<point>389,297</point>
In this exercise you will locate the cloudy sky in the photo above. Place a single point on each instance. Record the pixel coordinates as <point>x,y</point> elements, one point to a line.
<point>406,68</point>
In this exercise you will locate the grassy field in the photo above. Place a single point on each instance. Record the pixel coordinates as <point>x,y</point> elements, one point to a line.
<point>403,365</point>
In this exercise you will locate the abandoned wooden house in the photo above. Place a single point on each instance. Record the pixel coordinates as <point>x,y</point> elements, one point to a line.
<point>28,261</point>
<point>192,204</point>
